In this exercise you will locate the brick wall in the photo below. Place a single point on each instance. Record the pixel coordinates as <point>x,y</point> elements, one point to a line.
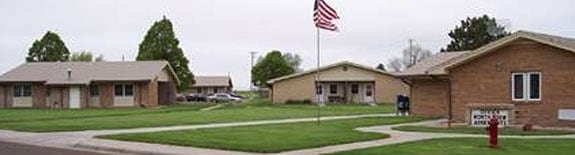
<point>38,95</point>
<point>2,96</point>
<point>107,94</point>
<point>152,93</point>
<point>429,98</point>
<point>487,80</point>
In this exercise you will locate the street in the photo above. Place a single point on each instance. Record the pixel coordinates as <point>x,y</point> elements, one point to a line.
<point>20,149</point>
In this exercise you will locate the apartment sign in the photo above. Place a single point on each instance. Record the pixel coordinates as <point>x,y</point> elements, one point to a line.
<point>481,117</point>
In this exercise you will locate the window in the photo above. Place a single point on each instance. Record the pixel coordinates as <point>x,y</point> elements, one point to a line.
<point>94,90</point>
<point>124,90</point>
<point>518,86</point>
<point>128,90</point>
<point>119,90</point>
<point>333,89</point>
<point>526,86</point>
<point>198,90</point>
<point>369,90</point>
<point>354,89</point>
<point>22,90</point>
<point>318,89</point>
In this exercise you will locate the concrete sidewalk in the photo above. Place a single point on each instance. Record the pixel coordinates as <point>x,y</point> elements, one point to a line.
<point>83,140</point>
<point>397,137</point>
<point>86,140</point>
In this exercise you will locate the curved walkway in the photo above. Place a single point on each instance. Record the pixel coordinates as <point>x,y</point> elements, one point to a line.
<point>84,139</point>
<point>401,137</point>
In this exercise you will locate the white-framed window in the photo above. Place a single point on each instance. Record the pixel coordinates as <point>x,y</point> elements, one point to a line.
<point>22,90</point>
<point>333,89</point>
<point>526,86</point>
<point>124,90</point>
<point>94,90</point>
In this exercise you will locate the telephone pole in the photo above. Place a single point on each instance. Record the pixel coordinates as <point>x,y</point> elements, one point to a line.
<point>253,55</point>
<point>411,56</point>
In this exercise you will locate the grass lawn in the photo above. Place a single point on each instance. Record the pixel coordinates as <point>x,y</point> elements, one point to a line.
<point>26,114</point>
<point>270,138</point>
<point>480,130</point>
<point>45,120</point>
<point>473,146</point>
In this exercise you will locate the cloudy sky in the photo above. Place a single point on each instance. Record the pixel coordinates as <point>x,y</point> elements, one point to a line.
<point>217,35</point>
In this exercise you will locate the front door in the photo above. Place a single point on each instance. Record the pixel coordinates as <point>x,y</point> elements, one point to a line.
<point>319,97</point>
<point>368,96</point>
<point>74,97</point>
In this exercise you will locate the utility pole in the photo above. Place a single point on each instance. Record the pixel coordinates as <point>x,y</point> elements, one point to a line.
<point>253,55</point>
<point>411,56</point>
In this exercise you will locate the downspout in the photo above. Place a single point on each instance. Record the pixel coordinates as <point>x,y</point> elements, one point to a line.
<point>449,102</point>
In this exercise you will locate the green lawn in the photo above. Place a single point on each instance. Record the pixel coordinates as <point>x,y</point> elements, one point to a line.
<point>480,130</point>
<point>26,114</point>
<point>45,120</point>
<point>473,146</point>
<point>270,138</point>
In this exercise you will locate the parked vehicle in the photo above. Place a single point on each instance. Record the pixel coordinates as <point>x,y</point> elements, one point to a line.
<point>223,97</point>
<point>236,95</point>
<point>196,98</point>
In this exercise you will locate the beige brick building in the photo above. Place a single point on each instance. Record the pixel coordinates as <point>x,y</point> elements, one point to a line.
<point>212,84</point>
<point>524,78</point>
<point>88,84</point>
<point>343,82</point>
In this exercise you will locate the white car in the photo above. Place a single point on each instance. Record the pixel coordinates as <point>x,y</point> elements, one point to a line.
<point>223,97</point>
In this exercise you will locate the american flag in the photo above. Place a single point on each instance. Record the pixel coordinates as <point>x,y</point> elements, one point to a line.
<point>323,15</point>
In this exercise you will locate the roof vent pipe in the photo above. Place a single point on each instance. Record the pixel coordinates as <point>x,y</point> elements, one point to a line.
<point>69,74</point>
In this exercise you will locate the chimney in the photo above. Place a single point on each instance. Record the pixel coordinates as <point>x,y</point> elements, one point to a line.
<point>69,74</point>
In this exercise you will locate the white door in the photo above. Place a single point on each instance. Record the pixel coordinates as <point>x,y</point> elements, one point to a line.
<point>368,96</point>
<point>74,97</point>
<point>319,94</point>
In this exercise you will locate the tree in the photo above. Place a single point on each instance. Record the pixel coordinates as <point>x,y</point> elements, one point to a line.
<point>474,33</point>
<point>160,43</point>
<point>411,56</point>
<point>82,56</point>
<point>294,60</point>
<point>49,48</point>
<point>381,67</point>
<point>396,65</point>
<point>273,65</point>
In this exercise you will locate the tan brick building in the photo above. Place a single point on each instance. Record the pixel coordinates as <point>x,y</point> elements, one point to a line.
<point>524,78</point>
<point>343,82</point>
<point>212,84</point>
<point>88,84</point>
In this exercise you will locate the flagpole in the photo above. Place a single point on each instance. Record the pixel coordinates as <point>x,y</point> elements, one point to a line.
<point>317,82</point>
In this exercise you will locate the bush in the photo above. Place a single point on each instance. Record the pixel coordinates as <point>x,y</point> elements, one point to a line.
<point>306,101</point>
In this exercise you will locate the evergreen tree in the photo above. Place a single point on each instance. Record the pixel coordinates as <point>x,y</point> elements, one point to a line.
<point>474,33</point>
<point>273,65</point>
<point>49,48</point>
<point>160,43</point>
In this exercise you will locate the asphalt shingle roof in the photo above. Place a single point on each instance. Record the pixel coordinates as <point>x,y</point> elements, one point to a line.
<point>211,81</point>
<point>84,72</point>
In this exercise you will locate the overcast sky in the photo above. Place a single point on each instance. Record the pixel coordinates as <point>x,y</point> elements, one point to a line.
<point>217,35</point>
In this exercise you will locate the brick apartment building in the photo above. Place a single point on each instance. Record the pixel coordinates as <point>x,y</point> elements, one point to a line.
<point>524,78</point>
<point>88,84</point>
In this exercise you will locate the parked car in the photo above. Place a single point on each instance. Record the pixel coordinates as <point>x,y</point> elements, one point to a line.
<point>223,97</point>
<point>236,95</point>
<point>196,98</point>
<point>180,98</point>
